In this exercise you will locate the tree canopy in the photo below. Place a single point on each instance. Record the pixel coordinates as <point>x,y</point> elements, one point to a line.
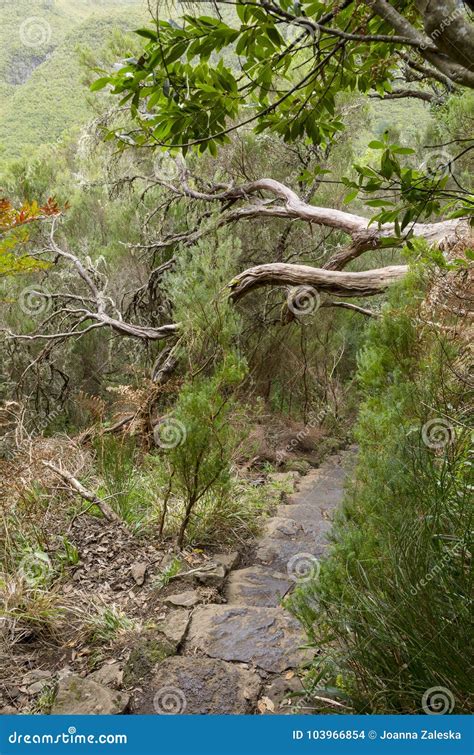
<point>280,65</point>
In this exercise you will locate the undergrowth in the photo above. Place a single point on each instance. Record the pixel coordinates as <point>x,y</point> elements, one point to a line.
<point>391,607</point>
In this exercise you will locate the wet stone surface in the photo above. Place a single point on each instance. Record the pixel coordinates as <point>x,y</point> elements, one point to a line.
<point>256,586</point>
<point>198,686</point>
<point>265,637</point>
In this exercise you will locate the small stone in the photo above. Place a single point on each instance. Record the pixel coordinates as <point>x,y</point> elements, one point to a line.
<point>282,525</point>
<point>8,710</point>
<point>35,680</point>
<point>77,696</point>
<point>36,675</point>
<point>37,687</point>
<point>211,577</point>
<point>227,560</point>
<point>138,572</point>
<point>286,694</point>
<point>111,675</point>
<point>186,599</point>
<point>12,691</point>
<point>174,626</point>
<point>256,586</point>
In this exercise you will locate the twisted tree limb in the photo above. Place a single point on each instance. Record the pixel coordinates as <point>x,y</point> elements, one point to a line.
<point>367,283</point>
<point>287,204</point>
<point>93,310</point>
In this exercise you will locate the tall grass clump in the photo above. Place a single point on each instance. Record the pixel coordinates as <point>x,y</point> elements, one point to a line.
<point>391,607</point>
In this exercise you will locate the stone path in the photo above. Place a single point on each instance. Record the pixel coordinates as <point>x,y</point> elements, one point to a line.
<point>233,656</point>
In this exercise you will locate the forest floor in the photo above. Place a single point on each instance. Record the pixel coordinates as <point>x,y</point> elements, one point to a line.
<point>214,637</point>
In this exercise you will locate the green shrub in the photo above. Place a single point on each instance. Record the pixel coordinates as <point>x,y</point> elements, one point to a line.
<point>391,606</point>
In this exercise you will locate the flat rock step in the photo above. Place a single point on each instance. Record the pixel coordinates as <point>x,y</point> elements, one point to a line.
<point>265,637</point>
<point>198,686</point>
<point>78,696</point>
<point>256,586</point>
<point>281,552</point>
<point>302,525</point>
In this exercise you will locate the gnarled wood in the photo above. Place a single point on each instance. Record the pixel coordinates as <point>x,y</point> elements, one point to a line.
<point>367,283</point>
<point>288,204</point>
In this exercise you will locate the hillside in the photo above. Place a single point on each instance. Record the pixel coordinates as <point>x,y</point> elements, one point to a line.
<point>41,90</point>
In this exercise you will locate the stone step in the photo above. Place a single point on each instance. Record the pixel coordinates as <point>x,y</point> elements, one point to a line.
<point>281,554</point>
<point>256,586</point>
<point>190,685</point>
<point>265,637</point>
<point>302,524</point>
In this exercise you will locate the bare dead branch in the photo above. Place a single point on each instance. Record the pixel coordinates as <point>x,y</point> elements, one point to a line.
<point>352,307</point>
<point>73,483</point>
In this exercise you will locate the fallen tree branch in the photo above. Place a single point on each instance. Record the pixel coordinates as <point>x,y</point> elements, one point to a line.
<point>287,204</point>
<point>73,483</point>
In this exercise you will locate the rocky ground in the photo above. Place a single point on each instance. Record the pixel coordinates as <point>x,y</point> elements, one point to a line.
<point>214,638</point>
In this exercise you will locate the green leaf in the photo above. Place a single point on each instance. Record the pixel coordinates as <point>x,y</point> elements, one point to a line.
<point>402,150</point>
<point>352,195</point>
<point>99,83</point>
<point>148,34</point>
<point>375,144</point>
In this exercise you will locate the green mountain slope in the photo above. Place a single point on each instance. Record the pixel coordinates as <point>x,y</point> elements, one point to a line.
<point>41,89</point>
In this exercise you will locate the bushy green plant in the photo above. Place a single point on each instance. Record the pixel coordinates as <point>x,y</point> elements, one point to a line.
<point>199,435</point>
<point>199,462</point>
<point>391,606</point>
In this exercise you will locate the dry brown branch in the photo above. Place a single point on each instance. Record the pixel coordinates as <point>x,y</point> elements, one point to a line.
<point>73,483</point>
